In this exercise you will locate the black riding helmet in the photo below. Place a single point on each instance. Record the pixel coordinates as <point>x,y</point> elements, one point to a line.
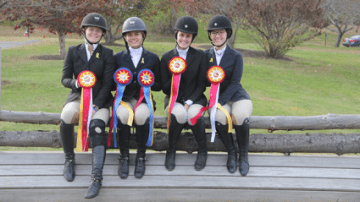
<point>219,22</point>
<point>186,24</point>
<point>93,20</point>
<point>133,24</point>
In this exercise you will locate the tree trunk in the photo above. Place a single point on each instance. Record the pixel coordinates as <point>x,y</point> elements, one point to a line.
<point>232,40</point>
<point>338,40</point>
<point>62,49</point>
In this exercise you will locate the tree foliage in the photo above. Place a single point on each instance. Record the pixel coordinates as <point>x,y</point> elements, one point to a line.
<point>279,25</point>
<point>276,25</point>
<point>58,16</point>
<point>120,11</point>
<point>169,10</point>
<point>233,9</point>
<point>342,14</point>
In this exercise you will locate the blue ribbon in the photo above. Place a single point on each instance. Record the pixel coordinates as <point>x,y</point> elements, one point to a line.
<point>147,95</point>
<point>119,94</point>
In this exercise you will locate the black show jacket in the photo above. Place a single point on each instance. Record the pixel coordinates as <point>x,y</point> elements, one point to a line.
<point>101,64</point>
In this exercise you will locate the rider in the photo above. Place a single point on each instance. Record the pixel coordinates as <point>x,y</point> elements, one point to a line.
<point>233,97</point>
<point>98,59</point>
<point>135,58</point>
<point>191,96</point>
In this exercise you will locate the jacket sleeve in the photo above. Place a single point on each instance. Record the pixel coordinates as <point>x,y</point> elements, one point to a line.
<point>107,80</point>
<point>157,73</point>
<point>235,81</point>
<point>166,76</point>
<point>201,79</point>
<point>67,78</point>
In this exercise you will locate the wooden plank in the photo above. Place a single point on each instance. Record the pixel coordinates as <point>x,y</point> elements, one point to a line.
<point>166,195</point>
<point>111,170</point>
<point>186,182</point>
<point>158,158</point>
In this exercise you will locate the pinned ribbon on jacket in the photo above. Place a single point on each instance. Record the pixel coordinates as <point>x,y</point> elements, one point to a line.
<point>177,66</point>
<point>146,79</point>
<point>86,80</point>
<point>215,75</point>
<point>122,77</point>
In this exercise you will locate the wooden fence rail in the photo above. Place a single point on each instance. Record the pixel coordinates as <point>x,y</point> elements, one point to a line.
<point>285,143</point>
<point>272,123</point>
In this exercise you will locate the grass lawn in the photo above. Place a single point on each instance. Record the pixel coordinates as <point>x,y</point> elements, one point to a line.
<point>317,80</point>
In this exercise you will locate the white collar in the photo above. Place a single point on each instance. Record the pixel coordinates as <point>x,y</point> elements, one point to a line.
<point>219,52</point>
<point>137,51</point>
<point>87,45</point>
<point>182,51</point>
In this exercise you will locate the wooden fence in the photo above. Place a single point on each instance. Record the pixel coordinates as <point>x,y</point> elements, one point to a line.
<point>286,143</point>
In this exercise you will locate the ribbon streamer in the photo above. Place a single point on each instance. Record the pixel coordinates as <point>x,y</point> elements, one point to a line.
<point>177,66</point>
<point>146,79</point>
<point>215,75</point>
<point>122,77</point>
<point>86,80</point>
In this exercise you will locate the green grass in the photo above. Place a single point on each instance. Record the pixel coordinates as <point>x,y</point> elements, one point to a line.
<point>318,80</point>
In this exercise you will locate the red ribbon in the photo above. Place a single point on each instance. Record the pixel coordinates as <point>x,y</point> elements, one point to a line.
<point>213,93</point>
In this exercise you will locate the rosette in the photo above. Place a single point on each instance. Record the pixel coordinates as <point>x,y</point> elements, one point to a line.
<point>122,77</point>
<point>86,80</point>
<point>146,79</point>
<point>177,66</point>
<point>215,75</point>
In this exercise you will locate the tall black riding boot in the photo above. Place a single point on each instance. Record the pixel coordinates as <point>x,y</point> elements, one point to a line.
<point>124,138</point>
<point>242,135</point>
<point>199,132</point>
<point>142,134</point>
<point>98,140</point>
<point>228,142</point>
<point>96,175</point>
<point>67,140</point>
<point>174,133</point>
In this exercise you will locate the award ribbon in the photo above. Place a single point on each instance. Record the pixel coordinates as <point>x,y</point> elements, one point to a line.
<point>146,79</point>
<point>177,66</point>
<point>86,80</point>
<point>215,75</point>
<point>122,77</point>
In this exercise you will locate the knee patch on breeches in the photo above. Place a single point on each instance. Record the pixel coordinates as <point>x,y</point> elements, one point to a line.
<point>142,113</point>
<point>97,132</point>
<point>179,112</point>
<point>241,110</point>
<point>70,113</point>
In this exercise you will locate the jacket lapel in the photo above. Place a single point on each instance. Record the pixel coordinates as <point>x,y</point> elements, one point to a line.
<point>190,55</point>
<point>212,60</point>
<point>128,61</point>
<point>96,54</point>
<point>142,59</point>
<point>82,53</point>
<point>227,55</point>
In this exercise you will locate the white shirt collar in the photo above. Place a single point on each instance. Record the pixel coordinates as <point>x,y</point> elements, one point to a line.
<point>95,45</point>
<point>136,55</point>
<point>219,54</point>
<point>182,53</point>
<point>136,52</point>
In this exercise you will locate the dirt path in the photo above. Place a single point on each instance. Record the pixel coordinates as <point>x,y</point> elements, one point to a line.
<point>11,44</point>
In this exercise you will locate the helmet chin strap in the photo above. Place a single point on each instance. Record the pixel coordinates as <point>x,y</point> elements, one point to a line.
<point>213,42</point>
<point>90,41</point>
<point>127,45</point>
